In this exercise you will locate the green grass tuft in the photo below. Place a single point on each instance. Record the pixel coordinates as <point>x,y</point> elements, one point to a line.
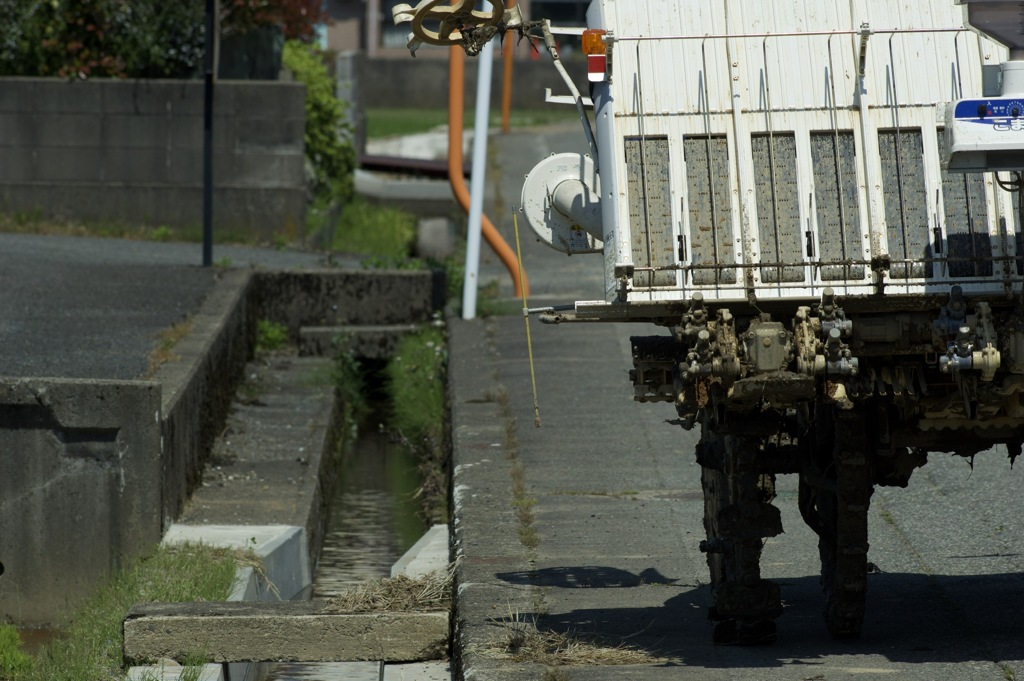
<point>13,661</point>
<point>415,379</point>
<point>368,229</point>
<point>91,645</point>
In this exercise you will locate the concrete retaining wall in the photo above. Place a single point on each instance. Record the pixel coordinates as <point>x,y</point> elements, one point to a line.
<point>131,152</point>
<point>198,390</point>
<point>79,488</point>
<point>339,297</point>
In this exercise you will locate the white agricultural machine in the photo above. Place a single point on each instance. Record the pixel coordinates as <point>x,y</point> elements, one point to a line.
<point>820,202</point>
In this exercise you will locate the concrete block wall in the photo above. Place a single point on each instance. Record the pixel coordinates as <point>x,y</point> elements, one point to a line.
<point>130,151</point>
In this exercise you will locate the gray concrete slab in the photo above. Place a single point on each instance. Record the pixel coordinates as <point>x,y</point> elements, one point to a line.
<point>273,461</point>
<point>287,631</point>
<point>369,342</point>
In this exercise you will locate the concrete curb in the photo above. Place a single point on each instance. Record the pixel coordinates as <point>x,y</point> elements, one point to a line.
<point>274,463</point>
<point>367,342</point>
<point>428,554</point>
<point>345,297</point>
<point>485,526</point>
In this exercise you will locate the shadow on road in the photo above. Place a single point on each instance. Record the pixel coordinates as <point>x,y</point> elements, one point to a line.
<point>911,618</point>
<point>585,577</point>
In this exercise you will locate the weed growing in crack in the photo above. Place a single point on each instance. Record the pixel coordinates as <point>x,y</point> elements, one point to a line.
<point>164,350</point>
<point>347,374</point>
<point>270,336</point>
<point>522,641</point>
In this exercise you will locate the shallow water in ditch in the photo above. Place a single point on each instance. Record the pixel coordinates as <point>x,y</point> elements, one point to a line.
<point>372,521</point>
<point>33,640</point>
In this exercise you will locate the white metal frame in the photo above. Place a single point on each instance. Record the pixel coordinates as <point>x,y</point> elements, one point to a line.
<point>884,97</point>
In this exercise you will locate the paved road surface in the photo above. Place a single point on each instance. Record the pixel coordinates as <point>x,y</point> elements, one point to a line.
<point>618,514</point>
<point>82,307</point>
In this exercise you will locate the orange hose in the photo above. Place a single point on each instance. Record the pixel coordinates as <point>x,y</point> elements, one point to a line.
<point>456,72</point>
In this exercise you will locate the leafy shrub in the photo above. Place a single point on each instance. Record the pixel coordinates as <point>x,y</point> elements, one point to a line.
<point>270,336</point>
<point>331,157</point>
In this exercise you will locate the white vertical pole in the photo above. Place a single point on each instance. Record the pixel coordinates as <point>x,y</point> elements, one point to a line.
<point>476,184</point>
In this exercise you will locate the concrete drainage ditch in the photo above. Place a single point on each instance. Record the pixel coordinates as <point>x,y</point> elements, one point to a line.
<point>142,440</point>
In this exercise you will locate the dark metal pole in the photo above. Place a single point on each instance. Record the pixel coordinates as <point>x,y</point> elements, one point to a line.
<point>211,42</point>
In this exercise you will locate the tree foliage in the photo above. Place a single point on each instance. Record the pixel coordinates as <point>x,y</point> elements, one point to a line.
<point>298,18</point>
<point>101,38</point>
<point>131,38</point>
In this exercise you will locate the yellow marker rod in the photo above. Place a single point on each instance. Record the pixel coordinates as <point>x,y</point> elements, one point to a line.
<point>526,319</point>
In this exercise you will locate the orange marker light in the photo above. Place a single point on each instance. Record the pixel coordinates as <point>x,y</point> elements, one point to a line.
<point>593,41</point>
<point>596,49</point>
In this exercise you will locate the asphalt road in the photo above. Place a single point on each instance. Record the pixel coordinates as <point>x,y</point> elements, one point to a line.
<point>618,511</point>
<point>82,307</point>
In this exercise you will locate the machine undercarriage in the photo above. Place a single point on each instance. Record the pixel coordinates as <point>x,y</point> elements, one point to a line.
<point>843,409</point>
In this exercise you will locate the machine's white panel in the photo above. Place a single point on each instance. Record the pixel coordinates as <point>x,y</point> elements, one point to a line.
<point>731,73</point>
